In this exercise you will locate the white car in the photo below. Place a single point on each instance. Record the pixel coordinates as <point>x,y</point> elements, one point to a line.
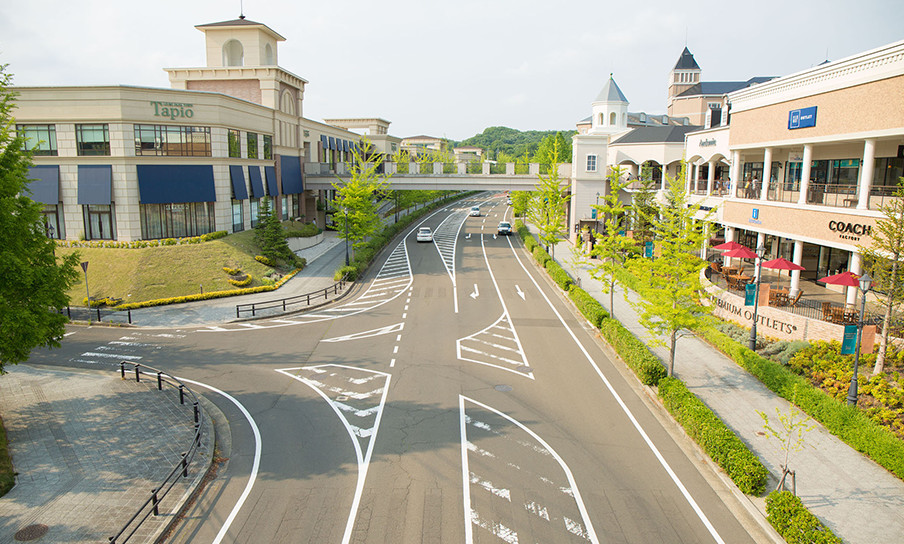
<point>475,211</point>
<point>424,234</point>
<point>505,228</point>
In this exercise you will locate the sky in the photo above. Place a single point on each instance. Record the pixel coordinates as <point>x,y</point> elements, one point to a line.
<point>452,68</point>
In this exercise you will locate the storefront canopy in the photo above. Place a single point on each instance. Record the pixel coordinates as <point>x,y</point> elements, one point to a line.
<point>169,184</point>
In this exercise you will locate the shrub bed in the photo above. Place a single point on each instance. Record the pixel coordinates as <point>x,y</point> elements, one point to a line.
<point>588,306</point>
<point>794,522</point>
<point>559,275</point>
<point>719,442</point>
<point>541,256</point>
<point>846,422</point>
<point>635,353</point>
<point>137,244</point>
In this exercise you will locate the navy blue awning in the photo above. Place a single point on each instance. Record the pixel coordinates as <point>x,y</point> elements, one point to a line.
<point>324,141</point>
<point>95,184</point>
<point>292,179</point>
<point>332,143</point>
<point>45,184</point>
<point>172,183</point>
<point>272,187</point>
<point>239,189</point>
<point>345,145</point>
<point>257,183</point>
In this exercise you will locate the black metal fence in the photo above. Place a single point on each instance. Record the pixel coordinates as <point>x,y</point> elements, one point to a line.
<point>98,314</point>
<point>284,304</point>
<point>151,505</point>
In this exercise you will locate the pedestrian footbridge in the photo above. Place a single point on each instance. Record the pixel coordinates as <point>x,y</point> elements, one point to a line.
<point>484,176</point>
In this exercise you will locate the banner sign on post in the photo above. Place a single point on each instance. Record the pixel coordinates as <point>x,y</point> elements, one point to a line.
<point>749,294</point>
<point>849,344</point>
<point>648,250</point>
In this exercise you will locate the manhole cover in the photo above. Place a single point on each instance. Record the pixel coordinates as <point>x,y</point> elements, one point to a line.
<point>32,532</point>
<point>503,388</point>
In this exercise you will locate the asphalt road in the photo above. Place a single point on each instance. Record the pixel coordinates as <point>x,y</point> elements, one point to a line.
<point>455,398</point>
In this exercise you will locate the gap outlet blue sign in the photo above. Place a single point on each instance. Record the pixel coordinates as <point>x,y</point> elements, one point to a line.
<point>802,118</point>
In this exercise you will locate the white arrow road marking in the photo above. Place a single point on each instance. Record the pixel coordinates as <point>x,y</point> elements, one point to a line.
<point>519,291</point>
<point>367,334</point>
<point>468,236</point>
<point>476,293</point>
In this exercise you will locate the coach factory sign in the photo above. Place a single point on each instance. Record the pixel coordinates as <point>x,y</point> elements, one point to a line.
<point>850,231</point>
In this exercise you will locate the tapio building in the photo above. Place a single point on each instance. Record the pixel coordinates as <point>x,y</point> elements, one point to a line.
<point>129,163</point>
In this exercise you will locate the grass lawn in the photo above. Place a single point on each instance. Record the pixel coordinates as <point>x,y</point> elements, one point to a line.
<point>136,275</point>
<point>7,473</point>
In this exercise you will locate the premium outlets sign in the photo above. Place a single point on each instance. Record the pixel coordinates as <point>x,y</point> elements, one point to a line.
<point>831,225</point>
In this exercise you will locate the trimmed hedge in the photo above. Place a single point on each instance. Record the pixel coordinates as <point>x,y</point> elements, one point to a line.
<point>137,244</point>
<point>848,423</point>
<point>559,275</point>
<point>635,353</point>
<point>794,522</point>
<point>719,442</point>
<point>541,256</point>
<point>241,282</point>
<point>588,306</point>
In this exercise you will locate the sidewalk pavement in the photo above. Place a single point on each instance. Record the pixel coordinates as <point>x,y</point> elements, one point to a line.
<point>858,499</point>
<point>88,448</point>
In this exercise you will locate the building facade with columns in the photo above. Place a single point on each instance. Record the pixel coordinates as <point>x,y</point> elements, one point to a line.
<point>129,163</point>
<point>813,155</point>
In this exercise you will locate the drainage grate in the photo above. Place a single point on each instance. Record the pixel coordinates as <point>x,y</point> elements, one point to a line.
<point>503,388</point>
<point>32,532</point>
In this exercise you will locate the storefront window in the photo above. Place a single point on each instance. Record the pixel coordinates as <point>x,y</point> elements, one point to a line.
<point>845,172</point>
<point>235,147</point>
<point>887,173</point>
<point>92,139</point>
<point>832,261</point>
<point>238,216</point>
<point>792,176</point>
<point>252,145</point>
<point>53,227</point>
<point>173,141</point>
<point>39,139</point>
<point>255,206</point>
<point>268,147</point>
<point>98,221</point>
<point>176,220</point>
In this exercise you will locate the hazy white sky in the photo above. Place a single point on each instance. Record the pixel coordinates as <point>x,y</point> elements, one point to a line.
<point>450,68</point>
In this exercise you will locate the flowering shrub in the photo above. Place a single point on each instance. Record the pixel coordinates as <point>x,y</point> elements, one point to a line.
<point>241,282</point>
<point>138,244</point>
<point>232,271</point>
<point>264,260</point>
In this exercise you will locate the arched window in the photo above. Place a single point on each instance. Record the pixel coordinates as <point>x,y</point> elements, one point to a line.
<point>268,56</point>
<point>233,53</point>
<point>612,120</point>
<point>602,120</point>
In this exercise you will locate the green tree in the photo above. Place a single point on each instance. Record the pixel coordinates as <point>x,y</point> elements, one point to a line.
<point>521,202</point>
<point>547,209</point>
<point>612,244</point>
<point>790,429</point>
<point>643,208</point>
<point>669,285</point>
<point>270,235</point>
<point>883,260</point>
<point>357,216</point>
<point>34,282</point>
<point>548,145</point>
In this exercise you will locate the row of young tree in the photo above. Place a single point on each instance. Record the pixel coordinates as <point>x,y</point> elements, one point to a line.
<point>671,297</point>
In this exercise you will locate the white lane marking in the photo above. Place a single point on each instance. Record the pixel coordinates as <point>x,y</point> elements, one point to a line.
<point>255,465</point>
<point>519,291</point>
<point>405,315</point>
<point>395,349</point>
<point>590,533</point>
<point>626,410</point>
<point>68,333</point>
<point>537,509</point>
<point>392,363</point>
<point>363,460</point>
<point>500,492</point>
<point>465,472</point>
<point>504,533</point>
<point>368,334</point>
<point>398,337</point>
<point>111,356</point>
<point>476,293</point>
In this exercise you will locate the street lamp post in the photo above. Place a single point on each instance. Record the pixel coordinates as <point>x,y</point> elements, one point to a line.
<point>346,236</point>
<point>866,283</point>
<point>760,252</point>
<point>87,292</point>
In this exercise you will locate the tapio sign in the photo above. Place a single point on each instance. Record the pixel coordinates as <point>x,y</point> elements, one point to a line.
<point>802,118</point>
<point>172,110</point>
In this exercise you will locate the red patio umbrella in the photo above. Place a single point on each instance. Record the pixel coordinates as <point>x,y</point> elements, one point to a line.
<point>740,252</point>
<point>848,279</point>
<point>728,245</point>
<point>782,264</point>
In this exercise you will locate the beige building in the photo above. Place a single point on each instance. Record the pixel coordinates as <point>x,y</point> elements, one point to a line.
<point>128,163</point>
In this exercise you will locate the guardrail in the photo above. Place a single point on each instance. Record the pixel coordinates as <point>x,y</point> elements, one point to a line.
<point>98,314</point>
<point>151,505</point>
<point>284,303</point>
